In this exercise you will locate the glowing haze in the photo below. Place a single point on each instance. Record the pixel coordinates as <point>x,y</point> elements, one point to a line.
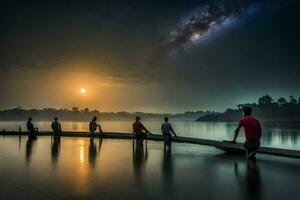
<point>151,56</point>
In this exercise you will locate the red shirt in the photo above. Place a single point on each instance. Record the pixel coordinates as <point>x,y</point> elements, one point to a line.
<point>138,128</point>
<point>252,128</point>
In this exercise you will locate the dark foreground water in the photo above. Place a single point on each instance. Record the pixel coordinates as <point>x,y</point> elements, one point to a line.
<point>77,168</point>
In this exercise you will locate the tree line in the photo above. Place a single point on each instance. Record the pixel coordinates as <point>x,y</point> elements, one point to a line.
<point>77,114</point>
<point>266,108</point>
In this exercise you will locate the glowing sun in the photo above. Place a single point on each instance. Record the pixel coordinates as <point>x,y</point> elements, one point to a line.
<point>82,90</point>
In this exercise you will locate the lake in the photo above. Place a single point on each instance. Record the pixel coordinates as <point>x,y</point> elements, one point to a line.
<point>287,136</point>
<point>80,168</point>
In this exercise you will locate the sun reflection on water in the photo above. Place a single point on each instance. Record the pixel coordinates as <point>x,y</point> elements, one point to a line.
<point>81,151</point>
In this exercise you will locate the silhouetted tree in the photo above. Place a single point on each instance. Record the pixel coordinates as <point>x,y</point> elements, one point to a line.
<point>292,100</point>
<point>265,100</point>
<point>240,106</point>
<point>282,101</point>
<point>75,109</point>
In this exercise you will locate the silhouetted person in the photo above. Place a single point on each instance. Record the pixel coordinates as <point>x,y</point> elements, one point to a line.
<point>167,131</point>
<point>93,127</point>
<point>56,127</point>
<point>140,131</point>
<point>252,129</point>
<point>32,130</point>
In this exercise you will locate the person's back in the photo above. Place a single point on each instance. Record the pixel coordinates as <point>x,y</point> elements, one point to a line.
<point>56,127</point>
<point>253,132</point>
<point>167,131</point>
<point>30,126</point>
<point>166,128</point>
<point>138,128</point>
<point>251,127</point>
<point>92,126</point>
<point>32,131</point>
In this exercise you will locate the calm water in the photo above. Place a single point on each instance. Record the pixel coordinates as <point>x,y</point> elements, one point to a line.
<point>282,137</point>
<point>77,168</point>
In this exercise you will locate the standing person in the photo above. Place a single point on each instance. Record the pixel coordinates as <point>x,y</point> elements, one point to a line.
<point>32,130</point>
<point>140,130</point>
<point>56,127</point>
<point>252,129</point>
<point>167,131</point>
<point>93,127</point>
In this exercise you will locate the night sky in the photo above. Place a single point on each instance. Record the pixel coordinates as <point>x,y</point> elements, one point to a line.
<point>153,56</point>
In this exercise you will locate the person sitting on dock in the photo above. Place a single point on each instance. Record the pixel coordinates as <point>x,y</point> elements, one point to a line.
<point>253,132</point>
<point>56,127</point>
<point>32,131</point>
<point>167,131</point>
<point>93,127</point>
<point>140,131</point>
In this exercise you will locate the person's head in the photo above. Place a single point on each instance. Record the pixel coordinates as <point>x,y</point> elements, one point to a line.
<point>166,119</point>
<point>137,118</point>
<point>247,111</point>
<point>94,118</point>
<point>55,118</point>
<point>29,119</point>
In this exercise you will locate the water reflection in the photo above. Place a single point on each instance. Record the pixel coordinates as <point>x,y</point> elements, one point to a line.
<point>251,180</point>
<point>20,140</point>
<point>55,149</point>
<point>93,152</point>
<point>29,146</point>
<point>167,171</point>
<point>140,157</point>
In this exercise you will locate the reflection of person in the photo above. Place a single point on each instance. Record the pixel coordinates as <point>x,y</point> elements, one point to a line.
<point>167,131</point>
<point>55,149</point>
<point>32,130</point>
<point>253,181</point>
<point>29,145</point>
<point>252,130</point>
<point>140,130</point>
<point>92,153</point>
<point>93,127</point>
<point>140,158</point>
<point>168,172</point>
<point>56,127</point>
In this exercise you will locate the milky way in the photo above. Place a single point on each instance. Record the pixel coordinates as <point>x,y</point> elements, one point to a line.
<point>202,20</point>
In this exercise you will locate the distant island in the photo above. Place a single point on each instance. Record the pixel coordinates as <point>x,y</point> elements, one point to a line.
<point>77,114</point>
<point>266,109</point>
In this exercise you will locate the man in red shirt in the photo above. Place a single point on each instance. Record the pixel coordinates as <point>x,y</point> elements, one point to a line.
<point>140,131</point>
<point>252,129</point>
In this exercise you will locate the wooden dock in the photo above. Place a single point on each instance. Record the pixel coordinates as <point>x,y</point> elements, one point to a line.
<point>225,146</point>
